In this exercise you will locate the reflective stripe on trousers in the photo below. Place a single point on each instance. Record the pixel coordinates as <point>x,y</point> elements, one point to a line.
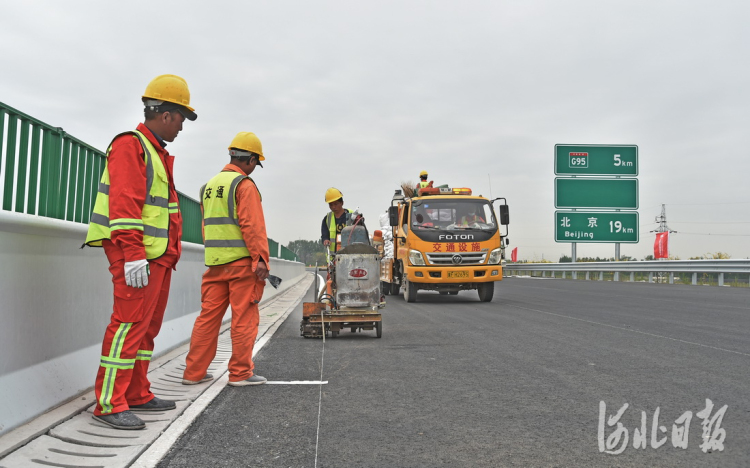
<point>112,363</point>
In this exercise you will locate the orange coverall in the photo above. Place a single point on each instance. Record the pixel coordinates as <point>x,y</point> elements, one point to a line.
<point>236,284</point>
<point>137,313</point>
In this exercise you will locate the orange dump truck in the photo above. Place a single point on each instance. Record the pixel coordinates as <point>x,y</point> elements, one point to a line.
<point>445,240</point>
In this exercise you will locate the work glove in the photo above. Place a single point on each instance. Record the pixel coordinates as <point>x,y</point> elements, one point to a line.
<point>136,273</point>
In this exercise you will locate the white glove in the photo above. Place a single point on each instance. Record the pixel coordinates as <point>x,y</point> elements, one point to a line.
<point>136,273</point>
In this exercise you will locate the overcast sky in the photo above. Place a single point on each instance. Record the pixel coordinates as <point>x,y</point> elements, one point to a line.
<point>364,95</point>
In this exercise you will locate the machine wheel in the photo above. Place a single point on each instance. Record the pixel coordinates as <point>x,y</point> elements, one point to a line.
<point>386,288</point>
<point>410,291</point>
<point>453,293</point>
<point>311,330</point>
<point>379,329</point>
<point>486,291</point>
<point>443,293</point>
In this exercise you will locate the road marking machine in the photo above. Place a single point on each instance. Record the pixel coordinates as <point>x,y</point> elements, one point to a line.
<point>352,297</point>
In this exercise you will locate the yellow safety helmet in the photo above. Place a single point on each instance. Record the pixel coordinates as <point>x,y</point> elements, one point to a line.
<point>246,142</point>
<point>169,88</point>
<point>423,174</point>
<point>333,194</point>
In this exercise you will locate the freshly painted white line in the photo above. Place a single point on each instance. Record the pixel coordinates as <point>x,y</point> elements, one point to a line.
<point>297,382</point>
<point>320,392</point>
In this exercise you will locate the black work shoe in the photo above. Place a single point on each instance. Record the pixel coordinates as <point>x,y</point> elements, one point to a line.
<point>206,378</point>
<point>157,404</point>
<point>125,420</point>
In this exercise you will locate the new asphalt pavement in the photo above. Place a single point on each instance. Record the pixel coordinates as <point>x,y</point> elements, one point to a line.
<point>538,377</point>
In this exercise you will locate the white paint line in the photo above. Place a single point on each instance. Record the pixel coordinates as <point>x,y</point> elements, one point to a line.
<point>635,331</point>
<point>297,382</point>
<point>320,393</point>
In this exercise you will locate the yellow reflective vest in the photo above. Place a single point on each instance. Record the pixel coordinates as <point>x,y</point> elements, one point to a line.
<point>332,231</point>
<point>154,220</point>
<point>221,227</point>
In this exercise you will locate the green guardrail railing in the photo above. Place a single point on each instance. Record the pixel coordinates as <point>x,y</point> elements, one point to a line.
<point>273,248</point>
<point>279,251</point>
<point>287,254</point>
<point>47,172</point>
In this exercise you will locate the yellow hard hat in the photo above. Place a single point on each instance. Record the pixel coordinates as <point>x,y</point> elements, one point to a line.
<point>333,194</point>
<point>247,141</point>
<point>169,88</point>
<point>423,174</point>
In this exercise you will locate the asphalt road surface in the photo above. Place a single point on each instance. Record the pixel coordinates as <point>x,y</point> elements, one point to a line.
<point>518,382</point>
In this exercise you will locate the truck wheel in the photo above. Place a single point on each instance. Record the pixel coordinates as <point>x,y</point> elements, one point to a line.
<point>410,291</point>
<point>386,288</point>
<point>453,293</point>
<point>486,291</point>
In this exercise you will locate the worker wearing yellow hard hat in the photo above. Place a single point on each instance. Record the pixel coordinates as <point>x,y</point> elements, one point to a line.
<point>423,181</point>
<point>237,257</point>
<point>334,221</point>
<point>246,144</point>
<point>136,219</point>
<point>168,92</point>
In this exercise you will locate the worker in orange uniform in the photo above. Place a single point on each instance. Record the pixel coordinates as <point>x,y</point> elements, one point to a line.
<point>236,253</point>
<point>136,219</point>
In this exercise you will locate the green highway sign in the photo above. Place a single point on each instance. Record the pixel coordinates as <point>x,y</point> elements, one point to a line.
<point>596,160</point>
<point>596,193</point>
<point>596,226</point>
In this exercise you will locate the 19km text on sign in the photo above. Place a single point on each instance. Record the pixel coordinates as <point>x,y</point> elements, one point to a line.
<point>596,226</point>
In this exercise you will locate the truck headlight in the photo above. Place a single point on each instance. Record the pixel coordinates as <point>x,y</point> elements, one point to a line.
<point>416,258</point>
<point>495,256</point>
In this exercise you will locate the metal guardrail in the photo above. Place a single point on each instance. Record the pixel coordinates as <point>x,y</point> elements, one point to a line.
<point>47,172</point>
<point>654,269</point>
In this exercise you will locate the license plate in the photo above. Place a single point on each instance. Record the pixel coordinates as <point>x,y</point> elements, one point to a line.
<point>458,274</point>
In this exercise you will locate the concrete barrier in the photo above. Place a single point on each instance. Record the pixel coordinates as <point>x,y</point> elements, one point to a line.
<point>55,302</point>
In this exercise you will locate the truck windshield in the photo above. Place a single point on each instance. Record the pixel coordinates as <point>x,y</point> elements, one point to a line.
<point>452,215</point>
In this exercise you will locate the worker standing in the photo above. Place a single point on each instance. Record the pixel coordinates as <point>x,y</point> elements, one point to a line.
<point>137,220</point>
<point>334,221</point>
<point>236,253</point>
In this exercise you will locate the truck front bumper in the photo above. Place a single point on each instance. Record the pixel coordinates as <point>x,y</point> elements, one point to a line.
<point>455,275</point>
